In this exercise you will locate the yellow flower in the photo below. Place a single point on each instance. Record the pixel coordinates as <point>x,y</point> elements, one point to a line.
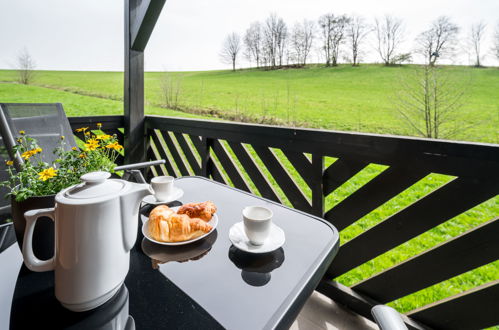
<point>81,129</point>
<point>9,163</point>
<point>103,137</point>
<point>82,155</point>
<point>27,154</point>
<point>22,132</point>
<point>99,125</point>
<point>115,146</point>
<point>91,144</point>
<point>62,137</point>
<point>74,148</point>
<point>47,174</point>
<point>19,140</point>
<point>87,133</point>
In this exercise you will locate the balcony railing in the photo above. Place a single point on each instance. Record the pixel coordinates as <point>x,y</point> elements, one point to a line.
<point>307,168</point>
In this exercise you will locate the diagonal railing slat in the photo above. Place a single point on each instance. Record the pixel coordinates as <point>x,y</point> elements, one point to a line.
<point>254,172</point>
<point>472,249</point>
<point>450,200</point>
<point>229,166</point>
<point>188,153</point>
<point>389,183</point>
<point>283,179</point>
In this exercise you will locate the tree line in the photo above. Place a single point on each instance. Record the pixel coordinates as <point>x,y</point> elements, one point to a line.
<point>273,44</point>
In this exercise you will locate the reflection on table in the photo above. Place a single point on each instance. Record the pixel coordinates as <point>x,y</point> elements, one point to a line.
<point>256,268</point>
<point>161,254</point>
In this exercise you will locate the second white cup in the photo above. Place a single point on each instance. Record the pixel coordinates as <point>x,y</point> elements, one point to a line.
<point>162,186</point>
<point>257,223</point>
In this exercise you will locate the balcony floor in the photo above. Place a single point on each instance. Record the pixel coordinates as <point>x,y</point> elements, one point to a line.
<point>321,313</point>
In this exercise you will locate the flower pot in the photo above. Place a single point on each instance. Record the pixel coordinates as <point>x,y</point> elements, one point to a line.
<point>43,243</point>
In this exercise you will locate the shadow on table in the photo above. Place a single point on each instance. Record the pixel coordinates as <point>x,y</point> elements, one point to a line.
<point>256,268</point>
<point>161,254</point>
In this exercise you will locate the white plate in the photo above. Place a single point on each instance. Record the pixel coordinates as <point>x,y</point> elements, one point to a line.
<point>213,222</point>
<point>175,195</point>
<point>238,237</point>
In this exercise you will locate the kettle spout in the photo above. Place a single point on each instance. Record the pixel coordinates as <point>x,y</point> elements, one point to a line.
<point>129,207</point>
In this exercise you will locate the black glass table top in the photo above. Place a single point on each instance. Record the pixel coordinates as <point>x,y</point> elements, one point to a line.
<point>207,284</point>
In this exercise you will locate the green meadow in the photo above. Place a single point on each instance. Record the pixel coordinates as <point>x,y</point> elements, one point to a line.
<point>342,98</point>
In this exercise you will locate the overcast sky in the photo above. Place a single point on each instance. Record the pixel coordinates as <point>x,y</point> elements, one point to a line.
<point>88,34</point>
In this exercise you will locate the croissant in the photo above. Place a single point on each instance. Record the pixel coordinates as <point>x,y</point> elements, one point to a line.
<point>203,210</point>
<point>167,226</point>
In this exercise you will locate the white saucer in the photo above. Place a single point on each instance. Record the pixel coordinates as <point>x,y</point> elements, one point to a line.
<point>145,231</point>
<point>238,237</point>
<point>175,195</point>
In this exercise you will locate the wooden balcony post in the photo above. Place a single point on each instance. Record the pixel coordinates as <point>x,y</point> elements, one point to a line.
<point>140,18</point>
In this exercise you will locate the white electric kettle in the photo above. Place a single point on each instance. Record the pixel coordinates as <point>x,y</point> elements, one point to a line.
<point>95,227</point>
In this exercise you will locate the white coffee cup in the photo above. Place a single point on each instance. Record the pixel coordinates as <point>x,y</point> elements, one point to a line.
<point>257,223</point>
<point>162,186</point>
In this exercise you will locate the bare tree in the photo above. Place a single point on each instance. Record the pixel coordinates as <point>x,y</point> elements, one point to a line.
<point>357,30</point>
<point>429,99</point>
<point>25,67</point>
<point>275,35</point>
<point>253,43</point>
<point>171,87</point>
<point>230,49</point>
<point>333,30</point>
<point>301,40</point>
<point>389,35</point>
<point>475,39</point>
<point>495,42</point>
<point>438,41</point>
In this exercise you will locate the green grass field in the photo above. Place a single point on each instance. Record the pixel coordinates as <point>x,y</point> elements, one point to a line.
<point>343,98</point>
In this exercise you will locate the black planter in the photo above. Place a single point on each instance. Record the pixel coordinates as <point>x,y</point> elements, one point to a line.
<point>43,236</point>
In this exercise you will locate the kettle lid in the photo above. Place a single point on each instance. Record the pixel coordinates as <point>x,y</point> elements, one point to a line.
<point>95,184</point>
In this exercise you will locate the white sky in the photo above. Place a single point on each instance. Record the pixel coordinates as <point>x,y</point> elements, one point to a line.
<point>88,34</point>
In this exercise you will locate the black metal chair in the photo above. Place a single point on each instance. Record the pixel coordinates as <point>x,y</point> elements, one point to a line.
<point>47,123</point>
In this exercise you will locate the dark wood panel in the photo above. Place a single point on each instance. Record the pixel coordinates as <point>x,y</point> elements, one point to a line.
<point>435,208</point>
<point>188,153</point>
<point>386,185</point>
<point>316,187</point>
<point>175,153</point>
<point>474,309</point>
<point>161,150</point>
<point>340,172</point>
<point>302,165</point>
<point>283,179</point>
<point>473,249</point>
<point>143,17</point>
<point>361,304</point>
<point>254,172</point>
<point>449,157</point>
<point>230,167</point>
<point>215,173</point>
<point>108,122</point>
<point>151,155</point>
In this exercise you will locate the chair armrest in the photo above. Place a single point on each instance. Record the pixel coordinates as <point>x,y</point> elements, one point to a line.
<point>388,318</point>
<point>133,169</point>
<point>139,165</point>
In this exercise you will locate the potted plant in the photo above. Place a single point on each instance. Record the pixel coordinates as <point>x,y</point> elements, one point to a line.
<point>37,182</point>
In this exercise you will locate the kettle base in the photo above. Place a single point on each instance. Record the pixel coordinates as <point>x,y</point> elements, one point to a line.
<point>86,306</point>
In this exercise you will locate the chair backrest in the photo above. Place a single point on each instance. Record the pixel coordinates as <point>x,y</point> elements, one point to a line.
<point>46,122</point>
<point>4,176</point>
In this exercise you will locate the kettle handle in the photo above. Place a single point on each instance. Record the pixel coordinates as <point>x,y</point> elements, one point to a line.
<point>31,261</point>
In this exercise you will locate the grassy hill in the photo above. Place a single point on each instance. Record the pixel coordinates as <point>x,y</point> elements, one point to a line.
<point>342,98</point>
